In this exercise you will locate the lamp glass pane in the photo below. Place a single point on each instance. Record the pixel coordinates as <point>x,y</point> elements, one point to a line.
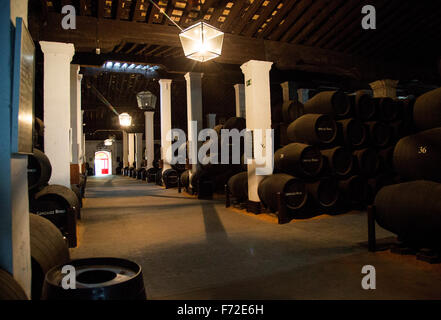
<point>202,42</point>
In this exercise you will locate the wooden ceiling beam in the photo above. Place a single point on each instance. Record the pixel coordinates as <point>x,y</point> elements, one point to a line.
<point>292,17</point>
<point>119,8</point>
<point>248,15</point>
<point>100,8</point>
<point>265,15</point>
<point>331,22</point>
<point>304,19</point>
<point>314,23</point>
<point>275,21</point>
<point>232,17</point>
<point>236,49</point>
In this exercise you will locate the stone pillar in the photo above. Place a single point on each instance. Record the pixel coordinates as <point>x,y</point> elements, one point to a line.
<point>57,58</point>
<point>76,123</point>
<point>194,113</point>
<point>211,120</point>
<point>83,149</point>
<point>131,149</point>
<point>258,111</point>
<point>149,138</point>
<point>165,95</point>
<point>139,150</point>
<point>240,99</point>
<point>384,88</point>
<point>125,141</point>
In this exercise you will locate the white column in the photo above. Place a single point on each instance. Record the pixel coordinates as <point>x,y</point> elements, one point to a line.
<point>384,88</point>
<point>240,100</point>
<point>165,93</point>
<point>139,150</point>
<point>149,138</point>
<point>76,118</point>
<point>57,58</point>
<point>258,111</point>
<point>194,112</point>
<point>131,149</point>
<point>82,139</point>
<point>211,120</point>
<point>125,149</point>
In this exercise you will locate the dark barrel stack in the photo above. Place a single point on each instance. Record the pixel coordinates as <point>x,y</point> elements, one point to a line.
<point>412,209</point>
<point>59,204</point>
<point>339,146</point>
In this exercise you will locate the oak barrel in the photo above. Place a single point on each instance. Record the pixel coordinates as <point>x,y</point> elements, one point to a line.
<point>293,188</point>
<point>39,169</point>
<point>313,129</point>
<point>238,185</point>
<point>411,210</point>
<point>427,110</point>
<point>419,156</point>
<point>329,102</point>
<point>325,191</point>
<point>298,159</point>
<point>337,160</point>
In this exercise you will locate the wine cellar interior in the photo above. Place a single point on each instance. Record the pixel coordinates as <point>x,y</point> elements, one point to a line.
<point>207,149</point>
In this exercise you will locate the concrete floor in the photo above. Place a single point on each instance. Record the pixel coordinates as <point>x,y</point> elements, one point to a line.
<point>192,249</point>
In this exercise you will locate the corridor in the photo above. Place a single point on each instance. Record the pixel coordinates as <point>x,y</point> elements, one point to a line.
<point>202,250</point>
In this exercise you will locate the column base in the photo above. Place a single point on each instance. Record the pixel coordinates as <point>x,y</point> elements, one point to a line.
<point>254,207</point>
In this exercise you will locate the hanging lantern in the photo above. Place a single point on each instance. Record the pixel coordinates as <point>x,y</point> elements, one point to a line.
<point>125,119</point>
<point>146,100</point>
<point>202,42</point>
<point>108,142</point>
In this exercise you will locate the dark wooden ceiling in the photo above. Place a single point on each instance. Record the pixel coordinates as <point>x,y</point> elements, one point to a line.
<point>318,38</point>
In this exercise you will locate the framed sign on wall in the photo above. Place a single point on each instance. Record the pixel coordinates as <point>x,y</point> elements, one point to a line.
<point>23,90</point>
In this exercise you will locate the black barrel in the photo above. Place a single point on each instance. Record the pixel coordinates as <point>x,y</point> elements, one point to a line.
<point>39,170</point>
<point>419,156</point>
<point>352,132</point>
<point>151,174</point>
<point>399,129</point>
<point>140,173</point>
<point>10,289</point>
<point>38,134</point>
<point>412,211</point>
<point>48,249</point>
<point>337,161</point>
<point>185,179</point>
<point>293,188</point>
<point>235,123</point>
<point>354,190</point>
<point>132,172</point>
<point>291,110</point>
<point>126,171</point>
<point>298,159</point>
<point>238,185</point>
<point>367,161</point>
<point>387,109</point>
<point>334,103</point>
<point>364,107</point>
<point>325,192</point>
<point>427,110</point>
<point>77,190</point>
<point>380,134</point>
<point>97,279</point>
<point>59,205</point>
<point>158,177</point>
<point>313,129</point>
<point>386,159</point>
<point>170,178</point>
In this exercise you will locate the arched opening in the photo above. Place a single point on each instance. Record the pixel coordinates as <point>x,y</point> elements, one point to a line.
<point>103,163</point>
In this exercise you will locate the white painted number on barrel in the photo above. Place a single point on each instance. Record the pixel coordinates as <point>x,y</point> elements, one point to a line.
<point>69,280</point>
<point>368,282</point>
<point>369,21</point>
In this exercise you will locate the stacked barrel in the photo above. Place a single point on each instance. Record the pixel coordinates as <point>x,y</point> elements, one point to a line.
<point>210,178</point>
<point>412,209</point>
<point>338,152</point>
<point>59,204</point>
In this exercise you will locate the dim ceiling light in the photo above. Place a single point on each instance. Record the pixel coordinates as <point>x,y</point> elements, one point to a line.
<point>125,119</point>
<point>202,42</point>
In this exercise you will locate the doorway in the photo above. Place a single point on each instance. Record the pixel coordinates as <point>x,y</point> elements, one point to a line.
<point>103,163</point>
